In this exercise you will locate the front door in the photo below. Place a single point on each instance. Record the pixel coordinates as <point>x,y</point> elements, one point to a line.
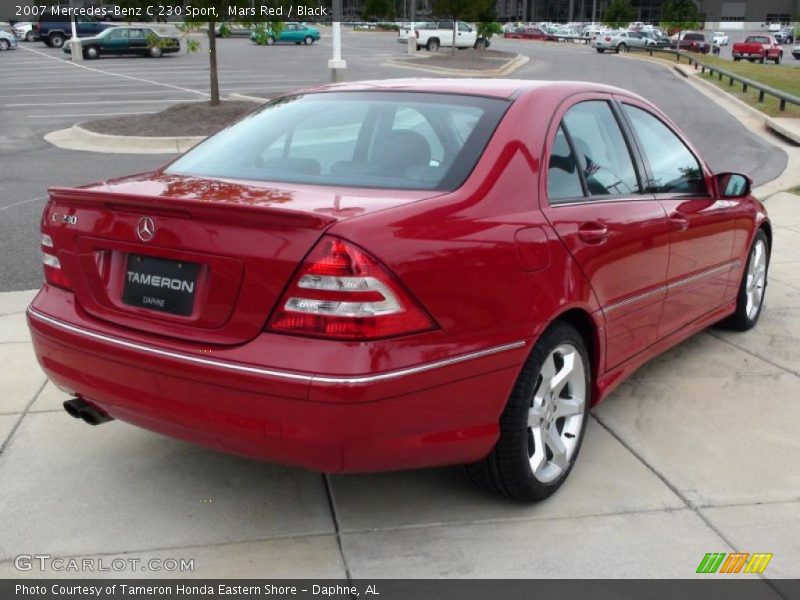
<point>617,234</point>
<point>701,227</point>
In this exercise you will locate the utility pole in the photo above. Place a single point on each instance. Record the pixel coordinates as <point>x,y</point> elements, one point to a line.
<point>594,11</point>
<point>412,34</point>
<point>75,47</point>
<point>337,65</point>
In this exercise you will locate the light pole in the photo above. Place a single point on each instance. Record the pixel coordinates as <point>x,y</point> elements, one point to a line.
<point>337,65</point>
<point>75,48</point>
<point>412,33</point>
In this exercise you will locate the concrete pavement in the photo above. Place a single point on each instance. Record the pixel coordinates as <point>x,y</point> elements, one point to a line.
<point>696,453</point>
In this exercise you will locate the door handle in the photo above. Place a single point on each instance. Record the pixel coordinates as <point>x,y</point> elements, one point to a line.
<point>679,221</point>
<point>593,232</point>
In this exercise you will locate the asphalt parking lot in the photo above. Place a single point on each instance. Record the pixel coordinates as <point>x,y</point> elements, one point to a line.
<point>695,454</point>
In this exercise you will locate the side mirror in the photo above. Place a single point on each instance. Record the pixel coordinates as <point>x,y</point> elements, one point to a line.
<point>733,185</point>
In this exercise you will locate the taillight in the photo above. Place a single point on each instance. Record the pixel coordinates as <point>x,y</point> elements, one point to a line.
<point>52,266</point>
<point>608,39</point>
<point>342,292</point>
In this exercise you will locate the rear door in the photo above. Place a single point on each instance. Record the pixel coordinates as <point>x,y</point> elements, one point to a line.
<point>617,234</point>
<point>701,226</point>
<point>137,39</point>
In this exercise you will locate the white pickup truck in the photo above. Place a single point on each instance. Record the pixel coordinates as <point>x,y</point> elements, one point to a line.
<point>433,36</point>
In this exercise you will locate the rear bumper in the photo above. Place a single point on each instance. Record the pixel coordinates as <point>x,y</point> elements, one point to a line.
<point>434,413</point>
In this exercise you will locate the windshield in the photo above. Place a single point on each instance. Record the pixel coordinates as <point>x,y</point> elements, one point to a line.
<point>401,140</point>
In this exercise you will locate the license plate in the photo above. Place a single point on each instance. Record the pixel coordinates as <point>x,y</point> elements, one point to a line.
<point>160,284</point>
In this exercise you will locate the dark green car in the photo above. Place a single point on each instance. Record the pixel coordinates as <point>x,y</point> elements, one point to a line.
<point>127,40</point>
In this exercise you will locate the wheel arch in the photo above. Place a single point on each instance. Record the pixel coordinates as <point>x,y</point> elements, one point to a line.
<point>766,227</point>
<point>591,333</point>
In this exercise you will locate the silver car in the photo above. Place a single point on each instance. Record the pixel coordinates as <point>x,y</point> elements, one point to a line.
<point>23,30</point>
<point>7,41</point>
<point>621,41</point>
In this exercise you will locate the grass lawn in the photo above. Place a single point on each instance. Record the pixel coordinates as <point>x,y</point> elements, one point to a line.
<point>782,78</point>
<point>786,79</point>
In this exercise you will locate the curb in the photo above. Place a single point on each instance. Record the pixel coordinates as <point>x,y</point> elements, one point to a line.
<point>246,98</point>
<point>78,138</point>
<point>506,69</point>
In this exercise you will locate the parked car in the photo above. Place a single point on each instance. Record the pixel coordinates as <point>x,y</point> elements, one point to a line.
<point>659,40</point>
<point>784,36</point>
<point>796,52</point>
<point>23,30</point>
<point>441,35</point>
<point>774,27</point>
<point>621,41</point>
<point>296,33</point>
<point>720,38</point>
<point>408,29</point>
<point>55,33</point>
<point>381,276</point>
<point>759,48</point>
<point>694,42</point>
<point>7,40</point>
<point>530,33</point>
<point>142,41</point>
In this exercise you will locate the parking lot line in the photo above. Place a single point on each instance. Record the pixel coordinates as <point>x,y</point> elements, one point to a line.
<point>162,101</point>
<point>118,74</point>
<point>110,114</point>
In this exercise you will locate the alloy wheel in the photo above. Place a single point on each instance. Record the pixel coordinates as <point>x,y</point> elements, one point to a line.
<point>555,418</point>
<point>756,279</point>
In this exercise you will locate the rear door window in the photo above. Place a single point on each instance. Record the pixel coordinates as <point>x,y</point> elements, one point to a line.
<point>602,152</point>
<point>563,178</point>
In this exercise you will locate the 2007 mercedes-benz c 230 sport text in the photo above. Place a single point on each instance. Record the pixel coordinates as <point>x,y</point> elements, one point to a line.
<point>397,274</point>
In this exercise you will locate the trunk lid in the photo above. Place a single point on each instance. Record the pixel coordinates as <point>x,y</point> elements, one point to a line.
<point>191,258</point>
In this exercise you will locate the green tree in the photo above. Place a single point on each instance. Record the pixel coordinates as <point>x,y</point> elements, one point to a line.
<point>382,9</point>
<point>619,14</point>
<point>487,26</point>
<point>679,15</point>
<point>461,10</point>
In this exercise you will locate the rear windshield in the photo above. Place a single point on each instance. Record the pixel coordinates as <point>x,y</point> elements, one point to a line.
<point>696,37</point>
<point>400,140</point>
<point>757,40</point>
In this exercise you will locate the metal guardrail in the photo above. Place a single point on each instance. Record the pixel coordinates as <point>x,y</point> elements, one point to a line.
<point>763,90</point>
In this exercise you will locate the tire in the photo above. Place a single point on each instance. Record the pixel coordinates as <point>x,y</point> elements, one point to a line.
<point>154,52</point>
<point>432,45</point>
<point>91,52</point>
<point>621,48</point>
<point>509,467</point>
<point>30,36</point>
<point>480,44</point>
<point>600,50</point>
<point>778,59</point>
<point>736,59</point>
<point>753,287</point>
<point>4,45</point>
<point>308,40</point>
<point>56,40</point>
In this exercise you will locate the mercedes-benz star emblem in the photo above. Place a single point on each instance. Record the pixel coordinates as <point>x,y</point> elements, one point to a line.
<point>146,229</point>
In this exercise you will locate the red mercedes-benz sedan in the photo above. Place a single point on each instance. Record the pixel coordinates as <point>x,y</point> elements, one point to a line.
<point>397,274</point>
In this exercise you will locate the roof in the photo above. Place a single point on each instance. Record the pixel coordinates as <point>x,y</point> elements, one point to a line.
<point>494,88</point>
